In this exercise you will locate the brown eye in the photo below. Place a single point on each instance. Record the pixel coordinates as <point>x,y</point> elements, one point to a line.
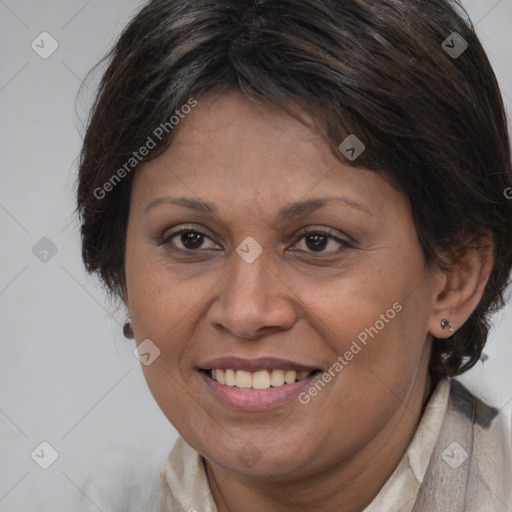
<point>316,242</point>
<point>321,242</point>
<point>192,239</point>
<point>188,240</point>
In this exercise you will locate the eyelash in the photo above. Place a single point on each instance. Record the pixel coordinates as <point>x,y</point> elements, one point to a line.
<point>167,238</point>
<point>345,244</point>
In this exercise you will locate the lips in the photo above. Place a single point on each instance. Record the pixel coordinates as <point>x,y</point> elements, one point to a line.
<point>259,396</point>
<point>256,374</point>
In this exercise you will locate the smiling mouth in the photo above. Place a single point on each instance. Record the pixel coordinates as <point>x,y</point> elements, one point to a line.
<point>262,379</point>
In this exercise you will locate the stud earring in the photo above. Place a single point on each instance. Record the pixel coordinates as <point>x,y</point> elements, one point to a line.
<point>128,329</point>
<point>446,324</point>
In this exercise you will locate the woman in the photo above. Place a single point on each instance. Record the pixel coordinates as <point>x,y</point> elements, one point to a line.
<point>302,206</point>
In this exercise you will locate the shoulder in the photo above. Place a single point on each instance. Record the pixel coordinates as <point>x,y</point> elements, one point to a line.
<point>489,445</point>
<point>471,466</point>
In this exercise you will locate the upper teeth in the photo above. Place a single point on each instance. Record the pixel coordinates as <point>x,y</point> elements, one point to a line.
<point>262,379</point>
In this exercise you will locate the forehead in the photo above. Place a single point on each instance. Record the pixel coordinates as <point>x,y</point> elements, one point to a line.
<point>239,151</point>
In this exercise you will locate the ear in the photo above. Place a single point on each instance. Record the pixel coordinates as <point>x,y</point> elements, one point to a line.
<point>461,286</point>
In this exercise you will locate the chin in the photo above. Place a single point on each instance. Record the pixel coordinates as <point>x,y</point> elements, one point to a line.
<point>254,459</point>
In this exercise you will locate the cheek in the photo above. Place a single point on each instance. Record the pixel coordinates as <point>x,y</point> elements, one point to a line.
<point>377,346</point>
<point>162,310</point>
<point>160,294</point>
<point>158,305</point>
<point>374,322</point>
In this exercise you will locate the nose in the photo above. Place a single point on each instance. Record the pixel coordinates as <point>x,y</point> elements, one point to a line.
<point>252,301</point>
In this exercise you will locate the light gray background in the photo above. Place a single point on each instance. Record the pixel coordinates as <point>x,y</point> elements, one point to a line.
<point>68,377</point>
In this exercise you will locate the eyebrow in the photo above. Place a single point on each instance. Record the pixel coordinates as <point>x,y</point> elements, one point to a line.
<point>288,212</point>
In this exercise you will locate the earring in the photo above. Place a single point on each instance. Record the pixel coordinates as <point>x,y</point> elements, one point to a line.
<point>446,324</point>
<point>128,329</point>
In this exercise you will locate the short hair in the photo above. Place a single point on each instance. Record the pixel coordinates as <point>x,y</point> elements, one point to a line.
<point>408,77</point>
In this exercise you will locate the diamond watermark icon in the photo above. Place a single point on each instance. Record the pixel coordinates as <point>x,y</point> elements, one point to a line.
<point>352,147</point>
<point>249,455</point>
<point>454,455</point>
<point>44,455</point>
<point>44,45</point>
<point>146,352</point>
<point>249,249</point>
<point>454,45</point>
<point>44,250</point>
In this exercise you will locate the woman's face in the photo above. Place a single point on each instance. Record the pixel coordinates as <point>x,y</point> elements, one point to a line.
<point>251,247</point>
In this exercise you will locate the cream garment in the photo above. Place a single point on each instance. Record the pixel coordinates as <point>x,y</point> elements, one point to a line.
<point>183,485</point>
<point>400,491</point>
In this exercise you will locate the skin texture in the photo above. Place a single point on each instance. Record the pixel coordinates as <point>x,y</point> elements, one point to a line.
<point>292,302</point>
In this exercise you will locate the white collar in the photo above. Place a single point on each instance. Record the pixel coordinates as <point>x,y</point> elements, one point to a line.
<point>400,491</point>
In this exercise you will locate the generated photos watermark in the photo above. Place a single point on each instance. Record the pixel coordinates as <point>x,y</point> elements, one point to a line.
<point>158,133</point>
<point>343,360</point>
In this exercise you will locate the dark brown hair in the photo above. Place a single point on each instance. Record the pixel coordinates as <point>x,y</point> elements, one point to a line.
<point>433,122</point>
